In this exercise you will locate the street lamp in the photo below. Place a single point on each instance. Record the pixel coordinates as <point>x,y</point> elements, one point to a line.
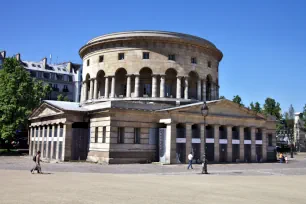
<point>204,111</point>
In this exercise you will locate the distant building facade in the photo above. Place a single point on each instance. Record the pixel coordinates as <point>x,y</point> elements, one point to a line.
<point>141,101</point>
<point>64,78</point>
<point>299,133</point>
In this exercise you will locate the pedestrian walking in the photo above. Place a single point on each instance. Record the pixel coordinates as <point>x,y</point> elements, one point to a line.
<point>37,166</point>
<point>286,159</point>
<point>190,157</point>
<point>281,157</point>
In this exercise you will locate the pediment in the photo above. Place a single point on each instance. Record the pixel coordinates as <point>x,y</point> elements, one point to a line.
<point>223,108</point>
<point>45,110</point>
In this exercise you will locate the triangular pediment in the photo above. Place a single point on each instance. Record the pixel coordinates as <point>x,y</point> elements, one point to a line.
<point>45,110</point>
<point>221,108</point>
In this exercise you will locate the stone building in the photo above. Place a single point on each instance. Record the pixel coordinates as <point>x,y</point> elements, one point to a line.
<point>141,101</point>
<point>64,78</point>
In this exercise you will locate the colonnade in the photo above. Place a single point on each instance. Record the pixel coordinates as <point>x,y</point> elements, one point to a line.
<point>204,91</point>
<point>49,140</point>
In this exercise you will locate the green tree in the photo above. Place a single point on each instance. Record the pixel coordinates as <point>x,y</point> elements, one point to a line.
<point>272,107</point>
<point>222,97</point>
<point>61,97</point>
<point>255,107</point>
<point>237,99</point>
<point>19,95</point>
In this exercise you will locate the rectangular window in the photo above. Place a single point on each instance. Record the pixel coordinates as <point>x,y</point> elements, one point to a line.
<point>61,126</point>
<point>104,135</point>
<point>137,135</point>
<point>209,64</point>
<point>270,140</point>
<point>53,76</point>
<point>121,135</point>
<point>70,78</point>
<point>171,57</point>
<point>33,73</point>
<point>101,58</point>
<point>121,56</point>
<point>88,62</point>
<point>194,60</point>
<point>55,130</point>
<point>39,75</point>
<point>96,134</point>
<point>145,55</point>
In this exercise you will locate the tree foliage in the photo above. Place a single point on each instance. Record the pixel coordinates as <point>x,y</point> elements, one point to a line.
<point>19,95</point>
<point>255,107</point>
<point>237,99</point>
<point>61,97</point>
<point>272,107</point>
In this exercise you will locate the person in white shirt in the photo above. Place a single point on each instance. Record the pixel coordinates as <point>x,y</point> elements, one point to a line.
<point>190,157</point>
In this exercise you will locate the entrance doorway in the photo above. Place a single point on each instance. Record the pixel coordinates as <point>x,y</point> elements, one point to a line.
<point>223,152</point>
<point>80,141</point>
<point>247,152</point>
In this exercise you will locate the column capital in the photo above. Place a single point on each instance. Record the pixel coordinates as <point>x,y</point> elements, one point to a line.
<point>162,75</point>
<point>154,75</point>
<point>136,75</point>
<point>129,75</point>
<point>179,77</point>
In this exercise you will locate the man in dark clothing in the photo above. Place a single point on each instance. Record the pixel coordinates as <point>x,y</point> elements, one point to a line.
<point>37,160</point>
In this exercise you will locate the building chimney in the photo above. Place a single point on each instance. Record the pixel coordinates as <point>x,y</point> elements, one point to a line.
<point>3,54</point>
<point>44,60</point>
<point>17,56</point>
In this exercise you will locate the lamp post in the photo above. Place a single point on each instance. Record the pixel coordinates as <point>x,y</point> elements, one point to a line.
<point>204,111</point>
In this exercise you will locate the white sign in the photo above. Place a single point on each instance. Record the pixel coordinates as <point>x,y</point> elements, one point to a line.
<point>180,140</point>
<point>258,141</point>
<point>247,142</point>
<point>210,140</point>
<point>222,141</point>
<point>235,141</point>
<point>196,140</point>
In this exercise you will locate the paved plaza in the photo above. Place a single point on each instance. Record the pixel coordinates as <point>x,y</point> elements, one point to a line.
<point>149,183</point>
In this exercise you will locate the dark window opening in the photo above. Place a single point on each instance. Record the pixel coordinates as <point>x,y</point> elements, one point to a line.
<point>171,57</point>
<point>209,64</point>
<point>88,63</point>
<point>101,58</point>
<point>104,135</point>
<point>121,135</point>
<point>137,135</point>
<point>121,56</point>
<point>96,135</point>
<point>145,55</point>
<point>194,60</point>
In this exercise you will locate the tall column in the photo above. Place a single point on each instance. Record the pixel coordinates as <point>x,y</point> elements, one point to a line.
<point>253,144</point>
<point>136,86</point>
<point>203,139</point>
<point>52,141</point>
<point>95,88</point>
<point>47,144</point>
<point>85,93</point>
<point>113,87</point>
<point>229,143</point>
<point>154,86</point>
<point>204,90</point>
<point>67,142</point>
<point>42,142</point>
<point>241,148</point>
<point>186,88</point>
<point>106,87</point>
<point>216,144</point>
<point>264,144</point>
<point>30,141</point>
<point>128,86</point>
<point>57,144</point>
<point>188,140</point>
<point>91,89</point>
<point>199,89</point>
<point>171,144</point>
<point>63,143</point>
<point>178,87</point>
<point>34,141</point>
<point>38,142</point>
<point>162,86</point>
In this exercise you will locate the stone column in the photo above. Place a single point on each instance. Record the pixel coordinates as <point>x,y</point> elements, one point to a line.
<point>34,141</point>
<point>38,138</point>
<point>42,142</point>
<point>91,89</point>
<point>52,141</point>
<point>162,86</point>
<point>128,86</point>
<point>253,144</point>
<point>188,140</point>
<point>106,88</point>
<point>47,144</point>
<point>186,88</point>
<point>85,92</point>
<point>203,139</point>
<point>30,141</point>
<point>204,90</point>
<point>264,145</point>
<point>178,87</point>
<point>229,143</point>
<point>241,148</point>
<point>63,143</point>
<point>113,87</point>
<point>216,144</point>
<point>199,89</point>
<point>57,143</point>
<point>95,88</point>
<point>154,86</point>
<point>136,86</point>
<point>171,144</point>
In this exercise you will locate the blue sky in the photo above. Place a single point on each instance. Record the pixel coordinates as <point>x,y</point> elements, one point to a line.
<point>263,42</point>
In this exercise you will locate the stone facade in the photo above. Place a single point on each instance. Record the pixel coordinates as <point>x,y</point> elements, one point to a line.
<point>149,110</point>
